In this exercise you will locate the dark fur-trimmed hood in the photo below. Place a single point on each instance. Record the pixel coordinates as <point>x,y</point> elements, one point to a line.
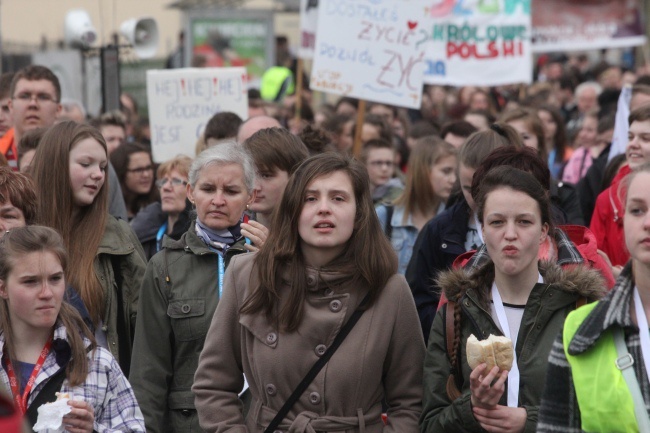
<point>578,279</point>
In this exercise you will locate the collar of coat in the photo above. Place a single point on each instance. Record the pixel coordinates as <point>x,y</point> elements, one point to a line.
<point>612,310</point>
<point>576,280</point>
<point>116,240</point>
<point>191,242</point>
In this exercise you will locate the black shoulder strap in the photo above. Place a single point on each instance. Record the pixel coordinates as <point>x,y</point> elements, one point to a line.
<point>125,335</point>
<point>388,229</point>
<point>313,372</point>
<point>46,395</point>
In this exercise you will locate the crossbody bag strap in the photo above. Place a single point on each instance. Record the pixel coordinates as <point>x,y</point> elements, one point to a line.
<point>388,229</point>
<point>317,367</point>
<point>47,394</point>
<point>624,362</point>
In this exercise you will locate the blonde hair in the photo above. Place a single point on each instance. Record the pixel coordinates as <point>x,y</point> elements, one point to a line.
<point>418,195</point>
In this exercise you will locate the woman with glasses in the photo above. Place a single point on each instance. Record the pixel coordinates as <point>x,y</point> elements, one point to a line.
<point>134,168</point>
<point>431,176</point>
<point>182,287</point>
<point>171,215</point>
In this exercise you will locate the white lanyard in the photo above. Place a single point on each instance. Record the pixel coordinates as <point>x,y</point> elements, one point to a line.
<point>644,334</point>
<point>513,376</point>
<point>478,227</point>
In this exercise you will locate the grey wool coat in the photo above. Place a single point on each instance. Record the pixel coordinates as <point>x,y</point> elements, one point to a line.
<point>381,358</point>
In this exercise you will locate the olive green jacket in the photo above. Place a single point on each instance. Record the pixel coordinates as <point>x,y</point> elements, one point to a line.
<point>120,252</point>
<point>179,295</point>
<point>548,305</point>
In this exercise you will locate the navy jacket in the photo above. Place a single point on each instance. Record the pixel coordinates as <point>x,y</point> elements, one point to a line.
<point>440,241</point>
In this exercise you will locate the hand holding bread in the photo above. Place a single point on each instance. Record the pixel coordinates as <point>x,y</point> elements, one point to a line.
<point>493,351</point>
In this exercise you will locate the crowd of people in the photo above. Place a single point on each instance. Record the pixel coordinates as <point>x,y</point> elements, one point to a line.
<point>274,282</point>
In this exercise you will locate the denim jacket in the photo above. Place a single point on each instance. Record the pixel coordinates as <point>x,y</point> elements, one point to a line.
<point>403,235</point>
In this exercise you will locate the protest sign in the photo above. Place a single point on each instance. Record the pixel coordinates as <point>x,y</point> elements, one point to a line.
<point>478,43</point>
<point>367,49</point>
<point>308,26</point>
<point>560,25</point>
<point>181,101</point>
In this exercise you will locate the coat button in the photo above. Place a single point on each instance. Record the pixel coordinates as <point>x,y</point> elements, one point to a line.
<point>335,306</point>
<point>186,412</point>
<point>271,389</point>
<point>105,328</point>
<point>278,431</point>
<point>444,245</point>
<point>311,280</point>
<point>186,308</point>
<point>320,350</point>
<point>271,338</point>
<point>329,292</point>
<point>314,398</point>
<point>467,303</point>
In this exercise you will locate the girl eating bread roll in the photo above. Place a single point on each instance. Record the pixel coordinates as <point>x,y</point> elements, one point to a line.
<point>513,295</point>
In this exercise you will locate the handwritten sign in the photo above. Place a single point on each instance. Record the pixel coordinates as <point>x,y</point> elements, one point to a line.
<point>484,43</point>
<point>181,101</point>
<point>367,49</point>
<point>308,26</point>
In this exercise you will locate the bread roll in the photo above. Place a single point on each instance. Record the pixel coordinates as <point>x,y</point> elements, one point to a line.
<point>494,351</point>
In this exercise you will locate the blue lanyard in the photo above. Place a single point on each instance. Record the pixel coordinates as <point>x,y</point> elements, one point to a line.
<point>159,235</point>
<point>221,267</point>
<point>222,271</point>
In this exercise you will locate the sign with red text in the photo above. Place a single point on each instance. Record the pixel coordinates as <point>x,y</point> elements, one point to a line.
<point>308,26</point>
<point>367,49</point>
<point>481,43</point>
<point>181,101</point>
<point>560,25</point>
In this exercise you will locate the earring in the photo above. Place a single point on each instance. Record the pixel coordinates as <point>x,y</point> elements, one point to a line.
<point>248,207</point>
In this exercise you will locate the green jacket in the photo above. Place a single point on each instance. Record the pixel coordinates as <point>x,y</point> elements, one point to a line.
<point>547,307</point>
<point>120,251</point>
<point>178,298</point>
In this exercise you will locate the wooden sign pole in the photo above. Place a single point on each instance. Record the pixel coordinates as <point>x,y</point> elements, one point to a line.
<point>298,104</point>
<point>361,114</point>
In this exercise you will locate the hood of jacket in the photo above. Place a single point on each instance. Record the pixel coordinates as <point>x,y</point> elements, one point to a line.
<point>579,280</point>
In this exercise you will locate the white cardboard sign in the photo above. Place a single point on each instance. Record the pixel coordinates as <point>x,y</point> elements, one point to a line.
<point>181,101</point>
<point>366,49</point>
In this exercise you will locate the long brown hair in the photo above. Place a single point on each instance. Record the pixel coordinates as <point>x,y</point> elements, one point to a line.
<point>418,195</point>
<point>83,233</point>
<point>14,245</point>
<point>368,259</point>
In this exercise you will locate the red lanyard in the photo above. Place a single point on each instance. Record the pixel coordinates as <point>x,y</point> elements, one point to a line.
<point>21,402</point>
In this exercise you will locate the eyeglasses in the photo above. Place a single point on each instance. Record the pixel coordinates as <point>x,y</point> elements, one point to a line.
<point>41,98</point>
<point>140,170</point>
<point>174,181</point>
<point>379,164</point>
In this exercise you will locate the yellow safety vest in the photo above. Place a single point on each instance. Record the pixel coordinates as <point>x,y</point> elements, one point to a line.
<point>604,398</point>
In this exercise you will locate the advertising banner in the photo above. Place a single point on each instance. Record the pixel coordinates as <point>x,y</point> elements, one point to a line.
<point>560,25</point>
